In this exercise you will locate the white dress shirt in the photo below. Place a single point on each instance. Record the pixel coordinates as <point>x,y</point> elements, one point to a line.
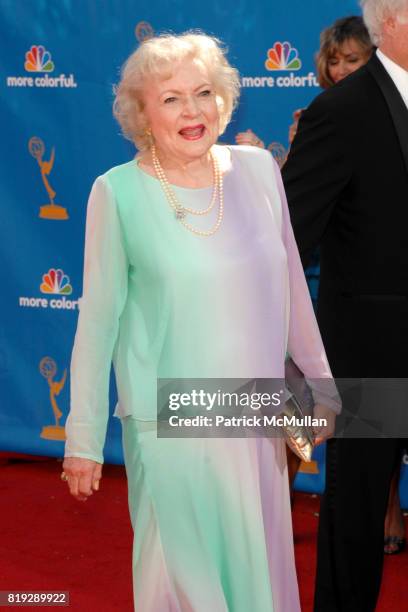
<point>397,73</point>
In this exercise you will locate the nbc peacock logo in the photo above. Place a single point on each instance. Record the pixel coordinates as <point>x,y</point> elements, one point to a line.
<point>38,59</point>
<point>55,281</point>
<point>38,66</point>
<point>282,56</point>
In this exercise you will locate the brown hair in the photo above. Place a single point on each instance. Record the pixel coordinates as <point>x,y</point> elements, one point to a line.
<point>333,37</point>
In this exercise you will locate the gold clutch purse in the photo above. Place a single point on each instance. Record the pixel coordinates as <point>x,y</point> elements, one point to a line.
<point>298,411</point>
<point>299,435</point>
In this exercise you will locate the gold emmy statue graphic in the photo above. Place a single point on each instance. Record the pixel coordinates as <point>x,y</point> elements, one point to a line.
<point>143,31</point>
<point>51,210</point>
<point>48,369</point>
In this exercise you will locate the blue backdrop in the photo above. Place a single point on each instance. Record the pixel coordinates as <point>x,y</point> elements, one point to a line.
<point>60,61</point>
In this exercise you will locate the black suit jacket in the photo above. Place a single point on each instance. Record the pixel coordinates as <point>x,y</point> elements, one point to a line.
<point>346,179</point>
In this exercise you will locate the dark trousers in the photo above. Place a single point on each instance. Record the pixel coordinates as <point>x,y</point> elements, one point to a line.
<point>351,528</point>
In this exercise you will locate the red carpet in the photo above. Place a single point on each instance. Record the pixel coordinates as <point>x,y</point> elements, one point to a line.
<point>393,596</point>
<point>51,542</point>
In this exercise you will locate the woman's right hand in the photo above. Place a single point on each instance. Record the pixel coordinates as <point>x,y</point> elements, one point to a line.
<point>83,476</point>
<point>324,431</point>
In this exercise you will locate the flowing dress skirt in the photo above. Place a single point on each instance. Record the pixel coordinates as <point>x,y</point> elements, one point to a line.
<point>212,523</point>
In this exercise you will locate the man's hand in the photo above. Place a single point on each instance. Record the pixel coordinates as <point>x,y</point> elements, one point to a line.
<point>294,126</point>
<point>83,476</point>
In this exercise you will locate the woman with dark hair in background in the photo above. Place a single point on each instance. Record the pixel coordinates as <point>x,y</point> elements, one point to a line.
<point>345,46</point>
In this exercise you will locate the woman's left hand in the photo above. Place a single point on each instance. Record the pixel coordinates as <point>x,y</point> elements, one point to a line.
<point>325,431</point>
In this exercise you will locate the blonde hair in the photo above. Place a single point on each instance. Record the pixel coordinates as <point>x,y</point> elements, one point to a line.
<point>331,39</point>
<point>156,58</point>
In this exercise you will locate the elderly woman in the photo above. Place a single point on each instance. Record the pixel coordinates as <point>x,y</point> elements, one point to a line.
<point>191,271</point>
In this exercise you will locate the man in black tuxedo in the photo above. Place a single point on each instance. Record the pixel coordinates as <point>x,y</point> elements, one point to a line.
<point>346,179</point>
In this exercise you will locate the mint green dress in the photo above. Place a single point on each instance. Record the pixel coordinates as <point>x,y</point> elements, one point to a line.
<point>211,517</point>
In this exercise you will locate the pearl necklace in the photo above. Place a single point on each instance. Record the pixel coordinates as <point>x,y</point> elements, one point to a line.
<point>181,211</point>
